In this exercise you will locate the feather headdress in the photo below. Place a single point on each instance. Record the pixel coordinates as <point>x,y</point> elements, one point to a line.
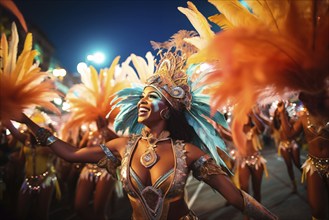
<point>138,71</point>
<point>179,86</point>
<point>92,98</point>
<point>283,44</point>
<point>177,42</point>
<point>22,85</point>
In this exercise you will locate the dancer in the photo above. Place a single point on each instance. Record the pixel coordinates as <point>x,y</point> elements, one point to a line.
<point>40,179</point>
<point>156,160</point>
<point>316,167</point>
<point>251,165</point>
<point>96,183</point>
<point>288,149</point>
<point>90,102</point>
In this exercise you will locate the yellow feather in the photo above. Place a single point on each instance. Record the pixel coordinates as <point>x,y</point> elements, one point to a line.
<point>92,98</point>
<point>85,78</point>
<point>272,13</point>
<point>235,13</point>
<point>198,21</point>
<point>94,80</point>
<point>110,76</point>
<point>22,85</point>
<point>24,63</point>
<point>221,21</point>
<point>198,42</point>
<point>12,53</point>
<point>111,70</point>
<point>143,69</point>
<point>140,66</point>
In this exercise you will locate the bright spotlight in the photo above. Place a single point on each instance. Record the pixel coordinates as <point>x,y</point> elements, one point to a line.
<point>97,57</point>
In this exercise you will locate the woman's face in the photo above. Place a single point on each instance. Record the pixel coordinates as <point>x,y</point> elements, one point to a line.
<point>150,106</point>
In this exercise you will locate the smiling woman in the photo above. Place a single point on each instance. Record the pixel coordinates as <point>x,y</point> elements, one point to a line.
<point>173,138</point>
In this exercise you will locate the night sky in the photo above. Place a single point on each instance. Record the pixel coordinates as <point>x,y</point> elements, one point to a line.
<point>78,28</point>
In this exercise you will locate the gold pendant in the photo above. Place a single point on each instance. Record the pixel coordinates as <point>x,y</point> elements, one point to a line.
<point>149,157</point>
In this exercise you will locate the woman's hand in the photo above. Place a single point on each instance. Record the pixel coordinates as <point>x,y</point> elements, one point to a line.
<point>281,107</point>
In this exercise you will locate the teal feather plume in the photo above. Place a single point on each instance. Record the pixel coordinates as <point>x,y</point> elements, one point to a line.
<point>203,107</point>
<point>206,135</point>
<point>208,139</point>
<point>127,100</point>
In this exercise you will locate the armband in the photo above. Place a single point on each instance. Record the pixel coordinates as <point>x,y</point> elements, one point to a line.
<point>44,137</point>
<point>109,162</point>
<point>206,166</point>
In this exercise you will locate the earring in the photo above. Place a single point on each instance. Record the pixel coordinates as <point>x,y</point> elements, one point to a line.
<point>165,114</point>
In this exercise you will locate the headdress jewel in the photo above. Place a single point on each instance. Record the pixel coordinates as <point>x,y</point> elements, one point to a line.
<point>170,80</point>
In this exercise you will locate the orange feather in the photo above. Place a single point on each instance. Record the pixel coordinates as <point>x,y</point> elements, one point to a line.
<point>22,85</point>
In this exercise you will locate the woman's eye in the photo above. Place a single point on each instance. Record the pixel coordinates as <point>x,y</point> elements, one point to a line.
<point>153,97</point>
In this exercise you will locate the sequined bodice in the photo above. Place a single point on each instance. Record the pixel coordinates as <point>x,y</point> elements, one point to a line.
<point>154,200</point>
<point>318,137</point>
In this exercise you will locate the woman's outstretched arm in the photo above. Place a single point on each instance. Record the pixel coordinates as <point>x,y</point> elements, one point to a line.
<point>62,149</point>
<point>205,169</point>
<point>238,198</point>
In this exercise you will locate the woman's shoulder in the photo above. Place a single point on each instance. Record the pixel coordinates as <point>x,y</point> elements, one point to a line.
<point>193,152</point>
<point>117,142</point>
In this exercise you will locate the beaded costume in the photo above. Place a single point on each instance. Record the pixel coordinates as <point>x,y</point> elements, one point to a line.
<point>39,170</point>
<point>180,87</point>
<point>153,202</point>
<point>312,164</point>
<point>287,146</point>
<point>253,161</point>
<point>93,173</point>
<point>172,82</point>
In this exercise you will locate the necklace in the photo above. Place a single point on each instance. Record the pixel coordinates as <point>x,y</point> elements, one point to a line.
<point>149,157</point>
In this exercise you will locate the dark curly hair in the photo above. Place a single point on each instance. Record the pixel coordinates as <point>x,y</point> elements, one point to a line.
<point>178,126</point>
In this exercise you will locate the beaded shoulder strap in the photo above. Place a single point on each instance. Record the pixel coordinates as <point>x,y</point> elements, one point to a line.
<point>133,139</point>
<point>181,169</point>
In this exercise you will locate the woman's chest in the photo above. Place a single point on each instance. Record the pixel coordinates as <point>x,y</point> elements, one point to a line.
<point>169,169</point>
<point>164,161</point>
